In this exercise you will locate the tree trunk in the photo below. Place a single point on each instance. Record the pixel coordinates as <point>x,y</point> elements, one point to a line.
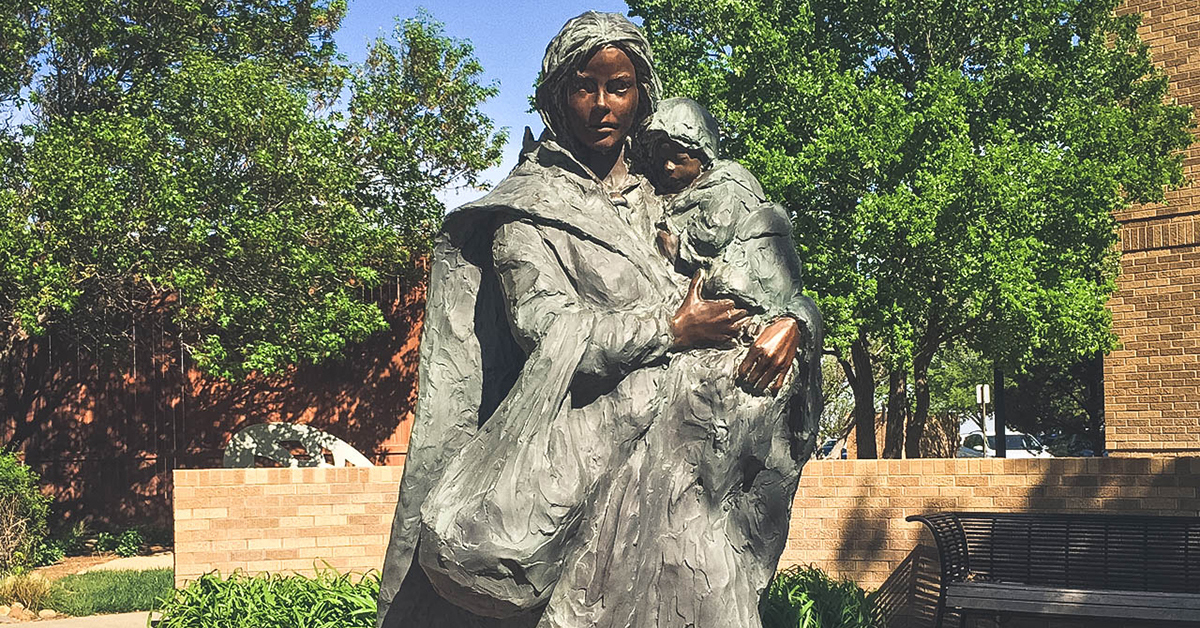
<point>920,415</point>
<point>897,413</point>
<point>864,398</point>
<point>1095,397</point>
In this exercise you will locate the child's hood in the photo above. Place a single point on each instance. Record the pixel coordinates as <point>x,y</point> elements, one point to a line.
<point>689,123</point>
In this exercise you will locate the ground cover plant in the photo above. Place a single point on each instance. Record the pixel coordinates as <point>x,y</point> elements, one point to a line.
<point>807,597</point>
<point>128,543</point>
<point>110,592</point>
<point>77,540</point>
<point>329,600</point>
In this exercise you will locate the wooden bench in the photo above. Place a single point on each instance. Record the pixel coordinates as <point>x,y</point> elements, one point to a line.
<point>1077,565</point>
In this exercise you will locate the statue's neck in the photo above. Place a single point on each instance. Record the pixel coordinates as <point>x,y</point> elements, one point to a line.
<point>607,167</point>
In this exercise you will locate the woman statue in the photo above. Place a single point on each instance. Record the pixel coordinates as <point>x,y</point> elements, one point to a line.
<point>593,445</point>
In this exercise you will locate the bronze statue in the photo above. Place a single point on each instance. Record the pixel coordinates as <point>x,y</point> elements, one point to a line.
<point>601,441</point>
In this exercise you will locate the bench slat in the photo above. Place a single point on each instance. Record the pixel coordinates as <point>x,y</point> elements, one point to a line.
<point>1076,610</point>
<point>1022,592</point>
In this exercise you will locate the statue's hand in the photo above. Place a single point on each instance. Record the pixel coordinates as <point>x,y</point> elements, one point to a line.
<point>702,323</point>
<point>770,356</point>
<point>668,245</point>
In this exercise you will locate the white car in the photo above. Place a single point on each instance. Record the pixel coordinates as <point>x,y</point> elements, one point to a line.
<point>977,445</point>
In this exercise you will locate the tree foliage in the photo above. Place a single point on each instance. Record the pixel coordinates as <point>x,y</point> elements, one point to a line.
<point>953,167</point>
<point>218,158</point>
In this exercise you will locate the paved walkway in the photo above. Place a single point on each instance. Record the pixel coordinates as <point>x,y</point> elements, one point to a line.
<point>161,560</point>
<point>122,620</point>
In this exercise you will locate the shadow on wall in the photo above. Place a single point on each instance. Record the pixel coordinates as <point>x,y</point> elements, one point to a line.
<point>105,438</point>
<point>855,511</point>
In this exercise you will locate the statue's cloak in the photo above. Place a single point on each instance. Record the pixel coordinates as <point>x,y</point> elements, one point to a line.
<point>471,367</point>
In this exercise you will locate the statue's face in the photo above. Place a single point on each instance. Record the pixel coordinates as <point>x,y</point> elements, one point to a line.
<point>676,166</point>
<point>602,100</point>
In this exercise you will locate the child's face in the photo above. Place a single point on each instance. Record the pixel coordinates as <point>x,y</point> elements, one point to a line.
<point>677,166</point>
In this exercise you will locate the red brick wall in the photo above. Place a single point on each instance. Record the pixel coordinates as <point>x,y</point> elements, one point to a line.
<point>1152,382</point>
<point>105,431</point>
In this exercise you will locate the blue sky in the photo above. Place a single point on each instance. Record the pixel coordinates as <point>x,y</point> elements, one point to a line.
<point>509,39</point>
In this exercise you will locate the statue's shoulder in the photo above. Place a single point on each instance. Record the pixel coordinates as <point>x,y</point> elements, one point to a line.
<point>730,175</point>
<point>542,184</point>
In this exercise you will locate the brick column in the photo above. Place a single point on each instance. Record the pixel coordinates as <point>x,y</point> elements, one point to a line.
<point>1152,381</point>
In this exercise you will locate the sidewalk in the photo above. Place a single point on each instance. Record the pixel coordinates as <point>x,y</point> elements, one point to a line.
<point>161,560</point>
<point>123,620</point>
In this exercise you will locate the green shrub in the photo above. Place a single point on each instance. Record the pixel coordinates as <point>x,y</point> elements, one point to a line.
<point>105,542</point>
<point>806,597</point>
<point>95,592</point>
<point>23,511</point>
<point>129,543</point>
<point>330,600</point>
<point>48,552</point>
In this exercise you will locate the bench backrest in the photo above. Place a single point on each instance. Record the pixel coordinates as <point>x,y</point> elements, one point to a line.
<point>1086,551</point>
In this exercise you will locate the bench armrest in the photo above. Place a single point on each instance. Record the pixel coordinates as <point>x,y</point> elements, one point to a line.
<point>952,553</point>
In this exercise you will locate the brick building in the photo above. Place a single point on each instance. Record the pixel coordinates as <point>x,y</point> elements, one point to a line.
<point>1152,381</point>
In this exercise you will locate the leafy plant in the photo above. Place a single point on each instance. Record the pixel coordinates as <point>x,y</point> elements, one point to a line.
<point>29,589</point>
<point>807,597</point>
<point>48,552</point>
<point>329,600</point>
<point>95,592</point>
<point>23,511</point>
<point>129,543</point>
<point>73,539</point>
<point>105,542</point>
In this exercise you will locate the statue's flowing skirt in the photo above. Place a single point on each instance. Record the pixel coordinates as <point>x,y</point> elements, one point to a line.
<point>672,513</point>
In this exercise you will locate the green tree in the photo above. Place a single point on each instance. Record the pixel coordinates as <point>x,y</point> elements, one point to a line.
<point>953,376</point>
<point>218,159</point>
<point>953,167</point>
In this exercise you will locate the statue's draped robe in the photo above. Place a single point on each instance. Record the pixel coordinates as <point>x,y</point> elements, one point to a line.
<point>555,433</point>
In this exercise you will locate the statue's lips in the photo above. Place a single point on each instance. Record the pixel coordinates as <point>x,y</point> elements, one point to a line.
<point>602,129</point>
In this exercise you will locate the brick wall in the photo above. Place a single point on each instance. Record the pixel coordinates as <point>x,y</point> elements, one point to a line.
<point>282,520</point>
<point>848,515</point>
<point>1152,382</point>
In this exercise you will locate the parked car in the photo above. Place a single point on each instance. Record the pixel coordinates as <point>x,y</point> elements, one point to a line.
<point>976,444</point>
<point>1070,445</point>
<point>826,449</point>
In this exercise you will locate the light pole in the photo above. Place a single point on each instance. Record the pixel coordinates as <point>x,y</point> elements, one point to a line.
<point>983,396</point>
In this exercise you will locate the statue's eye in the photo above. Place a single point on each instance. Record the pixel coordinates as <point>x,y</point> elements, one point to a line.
<point>583,84</point>
<point>619,86</point>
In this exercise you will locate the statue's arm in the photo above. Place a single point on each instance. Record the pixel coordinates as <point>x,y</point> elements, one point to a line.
<point>537,290</point>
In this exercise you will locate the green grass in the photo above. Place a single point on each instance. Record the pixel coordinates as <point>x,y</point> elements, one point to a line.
<point>99,592</point>
<point>330,600</point>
